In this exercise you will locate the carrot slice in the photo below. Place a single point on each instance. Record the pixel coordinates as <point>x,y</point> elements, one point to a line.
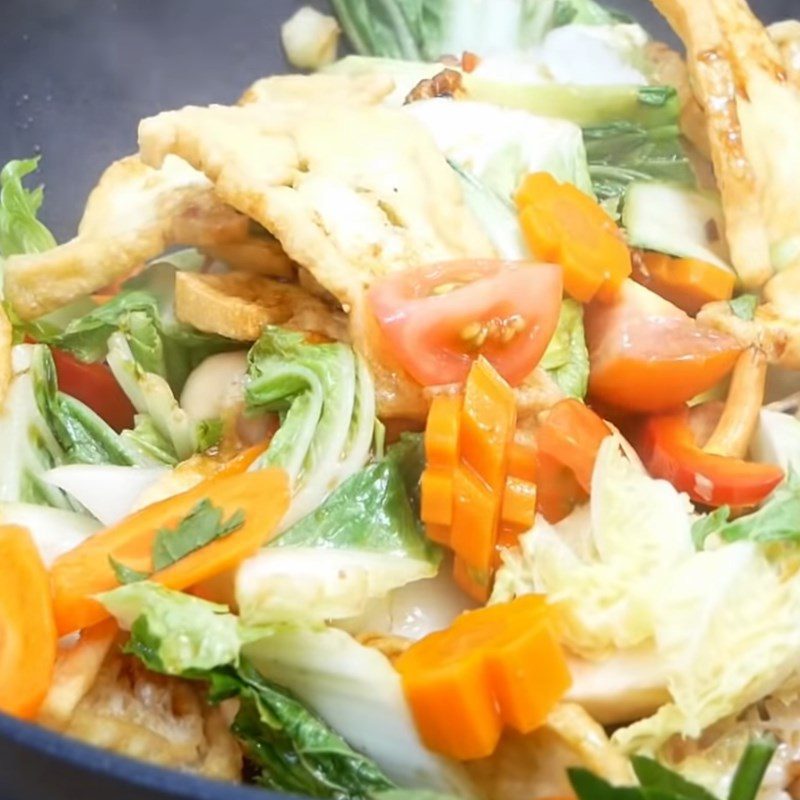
<point>518,510</point>
<point>81,573</point>
<point>28,640</point>
<point>476,511</point>
<point>442,431</point>
<point>572,434</point>
<point>689,283</point>
<point>470,582</point>
<point>488,420</point>
<point>563,225</point>
<point>436,487</point>
<point>522,457</point>
<point>495,667</point>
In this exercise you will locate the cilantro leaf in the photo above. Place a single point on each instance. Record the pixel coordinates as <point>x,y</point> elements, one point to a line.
<point>125,574</point>
<point>201,526</point>
<point>744,306</point>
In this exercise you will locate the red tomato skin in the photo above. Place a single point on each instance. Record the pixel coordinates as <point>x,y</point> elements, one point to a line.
<point>667,447</point>
<point>426,330</point>
<point>648,356</point>
<point>94,385</point>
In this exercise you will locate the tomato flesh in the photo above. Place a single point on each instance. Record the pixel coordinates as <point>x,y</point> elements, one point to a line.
<point>647,355</point>
<point>94,385</point>
<point>438,319</point>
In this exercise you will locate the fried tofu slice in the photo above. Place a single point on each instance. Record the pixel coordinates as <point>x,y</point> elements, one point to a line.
<point>786,35</point>
<point>133,214</point>
<point>773,330</point>
<point>238,306</point>
<point>351,193</point>
<point>752,111</point>
<point>534,766</point>
<point>155,718</point>
<point>320,89</point>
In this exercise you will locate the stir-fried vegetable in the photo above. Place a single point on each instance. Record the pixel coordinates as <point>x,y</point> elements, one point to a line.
<point>566,227</point>
<point>438,319</point>
<point>495,667</point>
<point>647,355</point>
<point>167,541</point>
<point>669,450</point>
<point>28,638</point>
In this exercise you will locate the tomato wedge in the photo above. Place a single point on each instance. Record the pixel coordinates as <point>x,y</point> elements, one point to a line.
<point>438,319</point>
<point>668,448</point>
<point>94,385</point>
<point>647,355</point>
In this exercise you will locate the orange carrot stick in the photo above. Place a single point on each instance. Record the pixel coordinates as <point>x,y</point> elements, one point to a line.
<point>28,640</point>
<point>82,573</point>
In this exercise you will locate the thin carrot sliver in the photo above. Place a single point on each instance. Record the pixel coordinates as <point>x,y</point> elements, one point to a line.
<point>442,432</point>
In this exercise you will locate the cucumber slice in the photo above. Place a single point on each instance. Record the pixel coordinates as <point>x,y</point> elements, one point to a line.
<point>676,220</point>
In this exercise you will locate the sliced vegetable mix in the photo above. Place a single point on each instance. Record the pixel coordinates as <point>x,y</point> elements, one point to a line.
<point>476,488</point>
<point>496,667</point>
<point>28,639</point>
<point>158,541</point>
<point>437,320</point>
<point>646,355</point>
<point>564,226</point>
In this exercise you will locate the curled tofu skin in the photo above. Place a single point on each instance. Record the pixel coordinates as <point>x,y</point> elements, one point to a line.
<point>133,215</point>
<point>351,192</point>
<point>752,110</point>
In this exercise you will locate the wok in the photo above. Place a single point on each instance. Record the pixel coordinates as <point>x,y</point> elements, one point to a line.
<point>76,76</point>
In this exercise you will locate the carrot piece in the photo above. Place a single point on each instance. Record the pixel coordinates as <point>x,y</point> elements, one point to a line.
<point>476,511</point>
<point>242,461</point>
<point>563,225</point>
<point>436,488</point>
<point>572,434</point>
<point>522,457</point>
<point>442,431</point>
<point>28,639</point>
<point>557,489</point>
<point>469,61</point>
<point>518,510</point>
<point>86,571</point>
<point>470,581</point>
<point>488,419</point>
<point>75,672</point>
<point>498,666</point>
<point>689,283</point>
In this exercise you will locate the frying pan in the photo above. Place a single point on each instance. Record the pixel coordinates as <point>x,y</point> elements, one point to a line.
<point>76,76</point>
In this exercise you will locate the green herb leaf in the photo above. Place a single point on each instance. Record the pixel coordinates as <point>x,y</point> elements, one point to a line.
<point>744,306</point>
<point>126,575</point>
<point>751,769</point>
<point>622,152</point>
<point>200,527</point>
<point>653,775</point>
<point>778,520</point>
<point>20,230</point>
<point>703,527</point>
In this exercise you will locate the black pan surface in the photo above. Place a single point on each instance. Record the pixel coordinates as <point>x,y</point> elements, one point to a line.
<point>76,76</point>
